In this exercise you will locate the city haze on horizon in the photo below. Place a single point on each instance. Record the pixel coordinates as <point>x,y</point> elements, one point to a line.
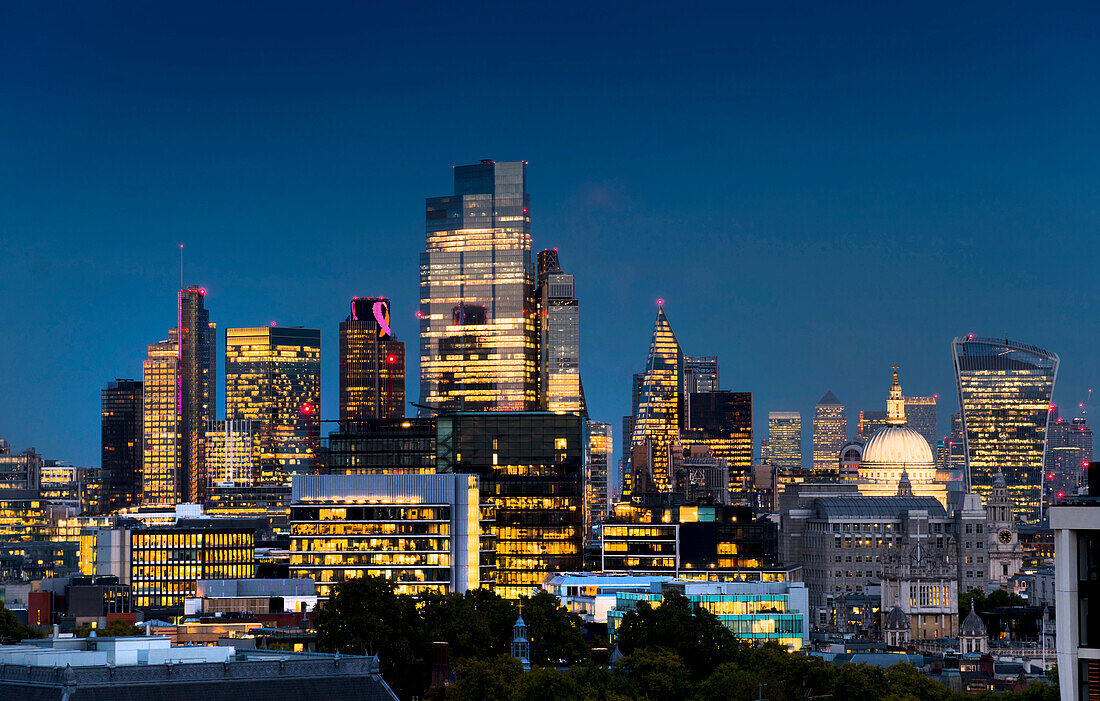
<point>815,194</point>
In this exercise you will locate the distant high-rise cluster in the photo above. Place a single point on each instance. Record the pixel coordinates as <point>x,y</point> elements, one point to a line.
<point>784,439</point>
<point>1069,450</point>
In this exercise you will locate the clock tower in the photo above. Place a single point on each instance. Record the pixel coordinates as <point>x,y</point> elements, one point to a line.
<point>1003,543</point>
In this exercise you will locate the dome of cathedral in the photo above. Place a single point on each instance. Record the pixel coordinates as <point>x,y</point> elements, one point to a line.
<point>897,445</point>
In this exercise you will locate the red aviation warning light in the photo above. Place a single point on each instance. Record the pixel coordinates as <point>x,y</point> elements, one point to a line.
<point>391,359</point>
<point>307,409</point>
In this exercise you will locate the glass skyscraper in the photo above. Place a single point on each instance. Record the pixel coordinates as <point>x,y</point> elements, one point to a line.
<point>920,415</point>
<point>122,444</point>
<point>722,421</point>
<point>598,478</point>
<point>372,363</point>
<point>785,439</point>
<point>1069,451</point>
<point>478,333</point>
<point>659,410</point>
<point>1005,389</point>
<point>198,378</point>
<point>830,433</point>
<point>559,337</point>
<point>273,377</point>
<point>160,472</point>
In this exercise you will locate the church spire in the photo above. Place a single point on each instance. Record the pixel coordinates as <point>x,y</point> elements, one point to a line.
<point>895,405</point>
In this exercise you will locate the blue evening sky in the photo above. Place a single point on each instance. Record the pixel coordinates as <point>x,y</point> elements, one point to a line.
<point>818,190</point>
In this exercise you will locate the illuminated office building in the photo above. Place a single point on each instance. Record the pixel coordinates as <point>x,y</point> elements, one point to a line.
<point>273,378</point>
<point>232,450</point>
<point>424,533</point>
<point>597,483</point>
<point>531,468</point>
<point>920,415</point>
<point>163,563</point>
<point>1068,452</point>
<point>659,410</point>
<point>19,470</point>
<point>198,383</point>
<point>785,439</point>
<point>722,421</point>
<point>478,333</point>
<point>559,337</point>
<point>121,444</point>
<point>160,473</point>
<point>830,433</point>
<point>372,363</point>
<point>1004,394</point>
<point>870,421</point>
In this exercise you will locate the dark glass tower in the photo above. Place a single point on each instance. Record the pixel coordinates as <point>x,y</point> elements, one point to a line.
<point>478,332</point>
<point>1005,389</point>
<point>198,389</point>
<point>372,363</point>
<point>723,422</point>
<point>122,444</point>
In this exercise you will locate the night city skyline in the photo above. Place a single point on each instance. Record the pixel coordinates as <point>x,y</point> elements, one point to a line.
<point>810,214</point>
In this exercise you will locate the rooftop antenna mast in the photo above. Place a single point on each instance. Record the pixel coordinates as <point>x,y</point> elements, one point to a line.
<point>181,266</point>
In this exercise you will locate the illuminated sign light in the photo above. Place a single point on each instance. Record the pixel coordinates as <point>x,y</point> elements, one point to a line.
<point>382,316</point>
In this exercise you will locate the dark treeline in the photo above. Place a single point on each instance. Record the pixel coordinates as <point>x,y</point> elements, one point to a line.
<point>671,652</point>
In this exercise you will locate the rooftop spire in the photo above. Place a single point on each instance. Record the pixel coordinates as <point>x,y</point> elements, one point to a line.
<point>895,405</point>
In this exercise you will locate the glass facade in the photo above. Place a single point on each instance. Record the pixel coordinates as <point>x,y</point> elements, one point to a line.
<point>559,338</point>
<point>700,374</point>
<point>723,422</point>
<point>478,332</point>
<point>161,461</point>
<point>658,411</point>
<point>165,563</point>
<point>198,389</point>
<point>232,452</point>
<point>830,434</point>
<point>750,616</point>
<point>372,363</point>
<point>1004,394</point>
<point>121,444</point>
<point>273,378</point>
<point>679,540</point>
<point>531,468</point>
<point>596,484</point>
<point>920,415</point>
<point>423,532</point>
<point>785,439</point>
<point>382,446</point>
<point>19,470</point>
<point>1068,452</point>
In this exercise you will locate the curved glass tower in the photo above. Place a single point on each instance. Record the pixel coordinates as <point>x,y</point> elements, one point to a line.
<point>1005,389</point>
